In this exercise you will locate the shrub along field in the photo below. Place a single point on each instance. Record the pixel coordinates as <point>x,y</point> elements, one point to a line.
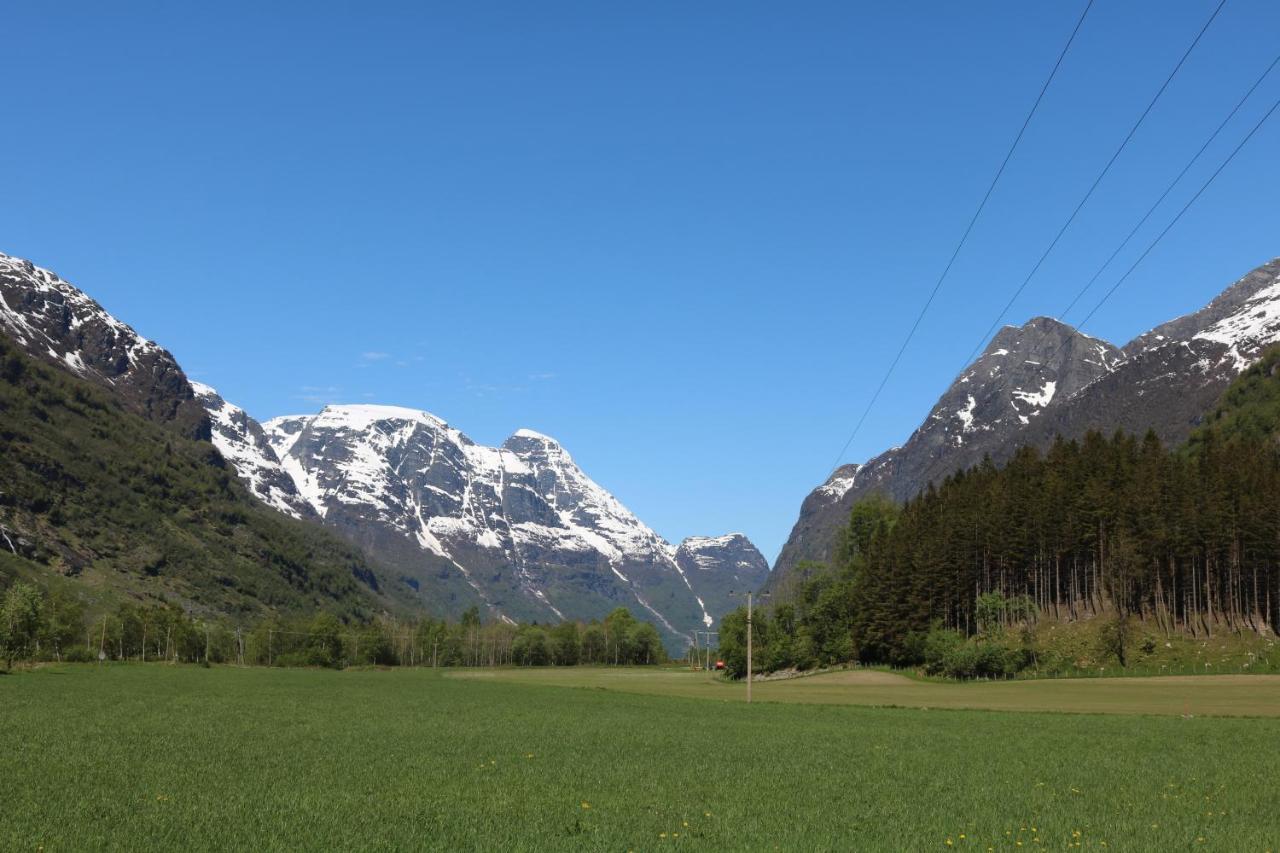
<point>173,757</point>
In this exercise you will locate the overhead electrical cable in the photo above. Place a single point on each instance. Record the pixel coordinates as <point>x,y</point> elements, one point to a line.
<point>964,237</point>
<point>1143,221</point>
<point>1184,209</point>
<point>1204,186</point>
<point>1089,194</point>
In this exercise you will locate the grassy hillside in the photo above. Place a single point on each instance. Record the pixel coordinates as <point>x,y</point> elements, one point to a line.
<point>96,496</point>
<point>155,757</point>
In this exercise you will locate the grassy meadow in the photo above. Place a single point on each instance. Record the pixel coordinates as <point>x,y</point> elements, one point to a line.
<point>163,757</point>
<point>1215,695</point>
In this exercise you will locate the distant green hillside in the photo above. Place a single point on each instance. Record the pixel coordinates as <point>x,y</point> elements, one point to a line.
<point>1250,408</point>
<point>123,507</point>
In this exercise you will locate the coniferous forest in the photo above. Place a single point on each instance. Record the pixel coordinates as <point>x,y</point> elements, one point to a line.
<point>1185,540</point>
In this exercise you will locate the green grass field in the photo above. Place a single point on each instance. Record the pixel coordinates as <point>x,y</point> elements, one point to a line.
<point>1217,695</point>
<point>160,757</point>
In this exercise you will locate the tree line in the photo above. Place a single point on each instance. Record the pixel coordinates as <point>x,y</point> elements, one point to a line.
<point>1182,540</point>
<point>36,625</point>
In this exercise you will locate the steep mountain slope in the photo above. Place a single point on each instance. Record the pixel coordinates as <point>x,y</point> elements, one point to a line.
<point>1173,375</point>
<point>92,490</point>
<point>243,443</point>
<point>520,528</point>
<point>52,320</point>
<point>1015,381</point>
<point>1046,379</point>
<point>721,567</point>
<point>1249,411</point>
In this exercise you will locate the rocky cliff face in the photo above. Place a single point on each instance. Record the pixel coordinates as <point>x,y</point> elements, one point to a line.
<point>721,568</point>
<point>243,443</point>
<point>1045,379</point>
<point>1173,375</point>
<point>519,529</point>
<point>1012,385</point>
<point>56,322</point>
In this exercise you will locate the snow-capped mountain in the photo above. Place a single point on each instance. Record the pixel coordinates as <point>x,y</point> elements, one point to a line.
<point>519,529</point>
<point>1045,379</point>
<point>1175,373</point>
<point>54,321</point>
<point>1021,375</point>
<point>721,567</point>
<point>243,443</point>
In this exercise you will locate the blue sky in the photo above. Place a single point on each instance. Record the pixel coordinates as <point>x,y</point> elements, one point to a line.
<point>685,239</point>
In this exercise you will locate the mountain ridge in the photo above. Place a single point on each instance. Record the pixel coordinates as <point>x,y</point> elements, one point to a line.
<point>56,322</point>
<point>518,529</point>
<point>1165,379</point>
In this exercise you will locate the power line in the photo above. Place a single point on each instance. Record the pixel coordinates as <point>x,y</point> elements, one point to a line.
<point>1107,296</point>
<point>1094,186</point>
<point>964,237</point>
<point>1184,209</point>
<point>1169,189</point>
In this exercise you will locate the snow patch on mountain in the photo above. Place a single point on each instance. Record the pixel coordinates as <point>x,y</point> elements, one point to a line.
<point>243,444</point>
<point>1040,398</point>
<point>521,513</point>
<point>840,483</point>
<point>966,414</point>
<point>1245,333</point>
<point>72,308</point>
<point>53,320</point>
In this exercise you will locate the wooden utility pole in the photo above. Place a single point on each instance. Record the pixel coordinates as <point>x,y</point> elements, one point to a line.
<point>750,603</point>
<point>748,648</point>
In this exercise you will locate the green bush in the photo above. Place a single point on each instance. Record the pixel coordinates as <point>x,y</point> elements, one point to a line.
<point>950,654</point>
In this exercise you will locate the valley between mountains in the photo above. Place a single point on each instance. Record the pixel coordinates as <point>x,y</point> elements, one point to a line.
<point>438,524</point>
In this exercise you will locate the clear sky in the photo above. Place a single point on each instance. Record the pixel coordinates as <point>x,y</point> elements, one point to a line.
<point>683,238</point>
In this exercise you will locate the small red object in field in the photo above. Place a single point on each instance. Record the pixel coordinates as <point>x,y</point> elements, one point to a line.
<point>719,664</point>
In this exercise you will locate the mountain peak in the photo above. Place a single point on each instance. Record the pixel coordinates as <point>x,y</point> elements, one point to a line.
<point>534,436</point>
<point>698,543</point>
<point>56,322</point>
<point>1043,379</point>
<point>1039,335</point>
<point>718,566</point>
<point>361,416</point>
